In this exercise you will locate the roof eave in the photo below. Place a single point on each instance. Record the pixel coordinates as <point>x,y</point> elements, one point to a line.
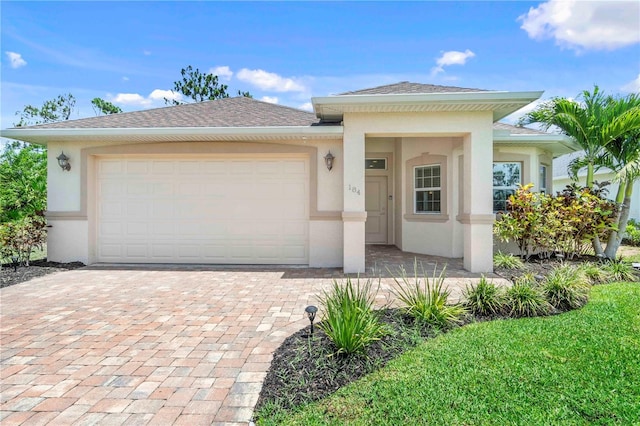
<point>149,134</point>
<point>557,144</point>
<point>503,103</point>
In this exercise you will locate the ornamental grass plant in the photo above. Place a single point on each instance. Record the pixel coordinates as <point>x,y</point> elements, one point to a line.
<point>484,298</point>
<point>566,288</point>
<point>507,261</point>
<point>425,299</point>
<point>350,320</point>
<point>525,299</point>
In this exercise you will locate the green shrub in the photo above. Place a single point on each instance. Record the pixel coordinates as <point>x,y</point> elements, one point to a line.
<point>619,270</point>
<point>350,320</point>
<point>507,261</point>
<point>484,298</point>
<point>567,223</point>
<point>565,288</point>
<point>524,299</point>
<point>20,237</point>
<point>632,233</point>
<point>426,299</point>
<point>595,273</point>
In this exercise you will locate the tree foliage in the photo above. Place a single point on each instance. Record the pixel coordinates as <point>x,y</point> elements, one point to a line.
<point>607,128</point>
<point>100,106</point>
<point>57,109</point>
<point>200,87</point>
<point>23,179</point>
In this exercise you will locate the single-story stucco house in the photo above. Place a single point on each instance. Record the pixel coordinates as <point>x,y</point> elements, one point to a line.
<point>240,181</point>
<point>561,179</point>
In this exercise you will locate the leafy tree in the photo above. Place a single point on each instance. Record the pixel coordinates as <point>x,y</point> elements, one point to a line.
<point>57,109</point>
<point>23,179</point>
<point>622,155</point>
<point>607,129</point>
<point>200,87</point>
<point>100,106</point>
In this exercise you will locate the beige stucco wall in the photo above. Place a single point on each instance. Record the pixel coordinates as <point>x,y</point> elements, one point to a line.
<point>71,212</point>
<point>436,134</point>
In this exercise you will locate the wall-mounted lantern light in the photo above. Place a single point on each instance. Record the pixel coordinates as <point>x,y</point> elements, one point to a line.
<point>63,162</point>
<point>328,160</point>
<point>311,314</point>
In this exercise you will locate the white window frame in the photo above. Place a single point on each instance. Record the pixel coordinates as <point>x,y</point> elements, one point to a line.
<point>542,176</point>
<point>506,187</point>
<point>416,189</point>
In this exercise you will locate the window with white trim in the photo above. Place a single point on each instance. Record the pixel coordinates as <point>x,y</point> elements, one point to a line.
<point>427,189</point>
<point>543,179</point>
<point>506,178</point>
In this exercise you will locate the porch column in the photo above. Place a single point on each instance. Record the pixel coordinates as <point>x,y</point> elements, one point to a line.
<point>478,195</point>
<point>354,214</point>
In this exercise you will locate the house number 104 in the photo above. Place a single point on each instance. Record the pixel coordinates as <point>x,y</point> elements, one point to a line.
<point>354,189</point>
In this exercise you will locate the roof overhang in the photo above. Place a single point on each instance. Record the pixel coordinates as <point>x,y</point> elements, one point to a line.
<point>333,108</point>
<point>556,144</point>
<point>172,134</point>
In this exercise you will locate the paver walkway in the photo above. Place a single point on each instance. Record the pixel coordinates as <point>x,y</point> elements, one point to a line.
<point>159,345</point>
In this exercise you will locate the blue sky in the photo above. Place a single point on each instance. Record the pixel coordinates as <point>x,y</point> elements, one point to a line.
<point>130,53</point>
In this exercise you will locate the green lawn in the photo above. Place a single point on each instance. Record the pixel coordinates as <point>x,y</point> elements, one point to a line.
<point>581,367</point>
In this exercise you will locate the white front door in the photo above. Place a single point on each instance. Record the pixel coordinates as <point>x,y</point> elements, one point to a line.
<point>376,206</point>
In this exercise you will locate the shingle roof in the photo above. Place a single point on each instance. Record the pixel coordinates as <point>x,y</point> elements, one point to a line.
<point>516,130</point>
<point>406,87</point>
<point>228,112</point>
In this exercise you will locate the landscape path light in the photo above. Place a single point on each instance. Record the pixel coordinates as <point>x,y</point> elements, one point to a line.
<point>311,314</point>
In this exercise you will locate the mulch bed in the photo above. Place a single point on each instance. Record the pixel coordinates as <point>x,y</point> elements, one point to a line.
<point>37,268</point>
<point>304,370</point>
<point>540,268</point>
<point>308,369</point>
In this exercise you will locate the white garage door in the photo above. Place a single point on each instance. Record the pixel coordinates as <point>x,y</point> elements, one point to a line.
<point>203,210</point>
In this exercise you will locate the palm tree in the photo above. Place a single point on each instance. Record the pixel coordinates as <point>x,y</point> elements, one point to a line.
<point>607,130</point>
<point>622,156</point>
<point>580,121</point>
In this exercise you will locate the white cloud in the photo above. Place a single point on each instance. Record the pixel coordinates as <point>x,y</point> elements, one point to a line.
<point>155,98</point>
<point>159,94</point>
<point>633,86</point>
<point>452,57</point>
<point>130,99</point>
<point>15,60</point>
<point>269,81</point>
<point>270,99</point>
<point>307,106</point>
<point>125,78</point>
<point>582,25</point>
<point>223,72</point>
<point>146,53</point>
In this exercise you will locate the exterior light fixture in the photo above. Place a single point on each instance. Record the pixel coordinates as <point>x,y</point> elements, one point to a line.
<point>311,314</point>
<point>328,160</point>
<point>63,162</point>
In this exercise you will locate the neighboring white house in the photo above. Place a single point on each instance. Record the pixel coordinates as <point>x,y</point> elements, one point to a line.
<point>239,181</point>
<point>561,179</point>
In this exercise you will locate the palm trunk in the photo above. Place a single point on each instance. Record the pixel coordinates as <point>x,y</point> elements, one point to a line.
<point>589,182</point>
<point>597,245</point>
<point>616,236</point>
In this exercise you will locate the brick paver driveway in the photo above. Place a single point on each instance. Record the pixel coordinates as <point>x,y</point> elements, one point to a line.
<point>148,346</point>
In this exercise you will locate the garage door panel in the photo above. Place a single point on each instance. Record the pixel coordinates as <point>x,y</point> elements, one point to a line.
<point>136,250</point>
<point>209,210</point>
<point>161,167</point>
